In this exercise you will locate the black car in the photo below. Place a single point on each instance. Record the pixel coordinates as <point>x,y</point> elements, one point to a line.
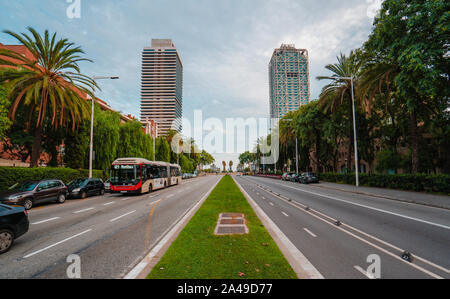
<point>30,193</point>
<point>294,177</point>
<point>13,224</point>
<point>308,178</point>
<point>286,176</point>
<point>83,188</point>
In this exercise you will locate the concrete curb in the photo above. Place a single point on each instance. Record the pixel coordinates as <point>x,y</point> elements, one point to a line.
<point>144,267</point>
<point>301,265</point>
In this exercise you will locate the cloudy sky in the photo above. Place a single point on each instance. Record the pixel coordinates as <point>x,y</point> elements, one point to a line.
<point>225,45</point>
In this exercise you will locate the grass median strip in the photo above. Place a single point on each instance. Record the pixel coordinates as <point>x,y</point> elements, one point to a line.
<point>199,254</point>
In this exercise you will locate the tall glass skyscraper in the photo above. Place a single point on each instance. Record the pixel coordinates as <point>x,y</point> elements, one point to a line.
<point>162,86</point>
<point>289,80</point>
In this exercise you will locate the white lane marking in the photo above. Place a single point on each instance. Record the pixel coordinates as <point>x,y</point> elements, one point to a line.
<point>56,244</point>
<point>372,244</point>
<point>310,232</point>
<point>125,199</point>
<point>299,262</point>
<point>82,211</point>
<point>171,195</point>
<point>124,215</point>
<point>285,214</point>
<point>44,221</point>
<point>263,197</point>
<point>359,269</point>
<point>371,208</point>
<point>271,204</point>
<point>109,203</point>
<point>167,235</point>
<point>180,191</point>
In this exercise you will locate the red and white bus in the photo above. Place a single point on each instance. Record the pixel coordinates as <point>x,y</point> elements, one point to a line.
<point>138,176</point>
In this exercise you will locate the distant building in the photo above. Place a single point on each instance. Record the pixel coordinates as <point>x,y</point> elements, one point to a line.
<point>162,86</point>
<point>289,80</point>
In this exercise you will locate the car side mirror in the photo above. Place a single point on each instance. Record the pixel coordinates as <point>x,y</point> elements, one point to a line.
<point>39,189</point>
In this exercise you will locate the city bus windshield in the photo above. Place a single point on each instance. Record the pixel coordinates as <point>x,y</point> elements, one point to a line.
<point>125,174</point>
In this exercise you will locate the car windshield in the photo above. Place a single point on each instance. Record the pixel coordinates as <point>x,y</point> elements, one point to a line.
<point>77,183</point>
<point>125,174</point>
<point>24,186</point>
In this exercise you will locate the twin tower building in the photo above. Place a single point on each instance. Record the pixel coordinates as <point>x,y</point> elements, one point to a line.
<point>162,84</point>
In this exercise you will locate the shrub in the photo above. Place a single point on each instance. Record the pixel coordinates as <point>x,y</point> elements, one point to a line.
<point>12,175</point>
<point>408,182</point>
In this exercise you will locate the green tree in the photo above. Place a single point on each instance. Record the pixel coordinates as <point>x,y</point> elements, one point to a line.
<point>106,138</point>
<point>76,154</point>
<point>47,85</point>
<point>339,92</point>
<point>5,122</point>
<point>412,36</point>
<point>162,150</point>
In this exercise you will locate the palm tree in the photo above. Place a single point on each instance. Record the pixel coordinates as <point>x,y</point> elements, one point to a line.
<point>224,166</point>
<point>231,166</point>
<point>50,86</point>
<point>337,94</point>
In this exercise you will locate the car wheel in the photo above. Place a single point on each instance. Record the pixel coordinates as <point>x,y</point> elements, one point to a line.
<point>61,198</point>
<point>102,192</point>
<point>6,240</point>
<point>83,195</point>
<point>28,204</point>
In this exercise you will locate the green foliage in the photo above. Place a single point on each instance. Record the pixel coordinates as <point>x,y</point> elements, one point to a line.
<point>5,122</point>
<point>162,150</point>
<point>77,147</point>
<point>408,182</point>
<point>186,164</point>
<point>106,138</point>
<point>12,175</point>
<point>47,87</point>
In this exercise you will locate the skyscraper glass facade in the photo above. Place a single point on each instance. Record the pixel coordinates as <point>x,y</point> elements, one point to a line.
<point>289,80</point>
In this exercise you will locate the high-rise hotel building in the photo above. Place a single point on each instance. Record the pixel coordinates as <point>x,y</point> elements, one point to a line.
<point>289,80</point>
<point>162,86</point>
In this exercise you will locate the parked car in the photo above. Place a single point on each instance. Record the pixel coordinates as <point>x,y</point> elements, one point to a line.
<point>294,177</point>
<point>83,188</point>
<point>107,185</point>
<point>308,178</point>
<point>13,224</point>
<point>286,176</point>
<point>31,193</point>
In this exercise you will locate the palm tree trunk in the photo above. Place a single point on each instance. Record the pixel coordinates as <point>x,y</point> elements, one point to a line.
<point>414,143</point>
<point>36,150</point>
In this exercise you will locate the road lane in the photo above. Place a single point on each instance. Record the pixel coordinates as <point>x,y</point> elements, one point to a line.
<point>333,252</point>
<point>107,249</point>
<point>427,240</point>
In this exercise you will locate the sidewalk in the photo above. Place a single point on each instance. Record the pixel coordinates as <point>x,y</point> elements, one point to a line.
<point>438,201</point>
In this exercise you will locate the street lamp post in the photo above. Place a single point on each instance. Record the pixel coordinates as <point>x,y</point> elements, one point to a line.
<point>354,130</point>
<point>91,143</point>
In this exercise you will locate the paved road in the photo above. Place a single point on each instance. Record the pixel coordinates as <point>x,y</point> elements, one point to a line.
<point>370,225</point>
<point>111,234</point>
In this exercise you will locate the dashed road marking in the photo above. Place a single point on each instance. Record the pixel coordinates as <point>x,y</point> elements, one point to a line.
<point>309,232</point>
<point>44,221</point>
<point>82,211</point>
<point>124,215</point>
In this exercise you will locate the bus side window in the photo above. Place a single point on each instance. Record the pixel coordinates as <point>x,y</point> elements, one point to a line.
<point>144,173</point>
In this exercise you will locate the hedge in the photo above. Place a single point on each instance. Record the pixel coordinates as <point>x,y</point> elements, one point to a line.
<point>408,182</point>
<point>12,175</point>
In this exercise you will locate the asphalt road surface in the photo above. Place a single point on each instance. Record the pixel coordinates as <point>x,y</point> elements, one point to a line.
<point>110,234</point>
<point>307,215</point>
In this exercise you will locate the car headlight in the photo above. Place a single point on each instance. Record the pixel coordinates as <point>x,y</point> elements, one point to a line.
<point>76,190</point>
<point>15,197</point>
